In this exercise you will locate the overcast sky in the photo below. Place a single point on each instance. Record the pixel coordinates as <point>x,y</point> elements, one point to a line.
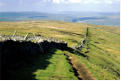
<point>60,5</point>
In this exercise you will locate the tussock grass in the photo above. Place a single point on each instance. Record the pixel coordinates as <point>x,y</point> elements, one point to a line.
<point>103,45</point>
<point>104,56</point>
<point>59,30</point>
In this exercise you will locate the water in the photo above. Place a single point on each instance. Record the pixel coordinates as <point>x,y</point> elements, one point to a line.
<point>112,19</point>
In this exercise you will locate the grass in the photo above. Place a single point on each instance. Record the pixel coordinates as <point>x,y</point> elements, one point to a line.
<point>103,45</point>
<point>50,66</point>
<point>104,55</point>
<point>59,69</point>
<point>65,31</point>
<point>82,71</point>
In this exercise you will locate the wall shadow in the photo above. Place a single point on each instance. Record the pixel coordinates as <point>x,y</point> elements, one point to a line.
<point>77,52</point>
<point>19,60</point>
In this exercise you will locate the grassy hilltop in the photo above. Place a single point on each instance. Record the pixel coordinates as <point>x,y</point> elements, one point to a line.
<point>102,49</point>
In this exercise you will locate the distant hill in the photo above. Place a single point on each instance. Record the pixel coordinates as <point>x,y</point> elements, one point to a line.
<point>88,17</point>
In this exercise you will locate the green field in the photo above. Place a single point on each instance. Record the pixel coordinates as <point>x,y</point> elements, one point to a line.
<point>104,55</point>
<point>50,66</point>
<point>58,69</point>
<point>102,48</point>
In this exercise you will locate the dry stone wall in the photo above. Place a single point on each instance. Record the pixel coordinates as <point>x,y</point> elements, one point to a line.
<point>14,50</point>
<point>83,41</point>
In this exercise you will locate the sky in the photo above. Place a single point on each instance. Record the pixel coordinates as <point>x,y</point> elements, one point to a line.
<point>54,6</point>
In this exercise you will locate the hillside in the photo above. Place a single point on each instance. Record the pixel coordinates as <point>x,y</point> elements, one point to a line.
<point>99,18</point>
<point>98,59</point>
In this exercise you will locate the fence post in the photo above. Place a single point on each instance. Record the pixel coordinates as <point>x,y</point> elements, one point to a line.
<point>14,33</point>
<point>26,36</point>
<point>34,35</point>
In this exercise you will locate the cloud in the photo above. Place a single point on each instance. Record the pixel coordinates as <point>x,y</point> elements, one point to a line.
<point>108,1</point>
<point>57,1</point>
<point>92,1</point>
<point>1,4</point>
<point>74,1</point>
<point>84,1</point>
<point>20,1</point>
<point>98,1</point>
<point>66,1</point>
